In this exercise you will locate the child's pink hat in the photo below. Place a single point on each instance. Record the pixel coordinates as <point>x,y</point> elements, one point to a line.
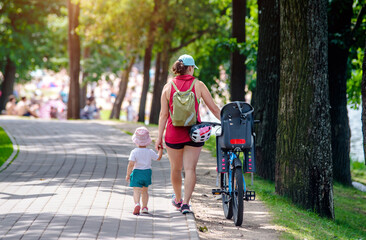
<point>141,137</point>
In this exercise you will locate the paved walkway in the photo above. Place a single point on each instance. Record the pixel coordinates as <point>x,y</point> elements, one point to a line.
<point>67,182</point>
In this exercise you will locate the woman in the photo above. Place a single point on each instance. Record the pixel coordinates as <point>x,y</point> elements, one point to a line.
<point>182,151</point>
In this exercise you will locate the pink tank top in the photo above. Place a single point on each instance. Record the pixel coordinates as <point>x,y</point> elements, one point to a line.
<point>173,134</point>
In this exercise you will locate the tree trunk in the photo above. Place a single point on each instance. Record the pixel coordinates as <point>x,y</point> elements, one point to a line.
<point>164,58</point>
<point>116,110</point>
<point>7,87</point>
<point>340,16</point>
<point>84,84</point>
<point>265,99</point>
<point>363,93</point>
<point>304,157</point>
<point>147,62</point>
<point>238,69</point>
<point>73,104</point>
<point>146,83</point>
<point>159,85</point>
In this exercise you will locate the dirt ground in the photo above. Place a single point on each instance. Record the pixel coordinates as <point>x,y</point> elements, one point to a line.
<point>210,220</point>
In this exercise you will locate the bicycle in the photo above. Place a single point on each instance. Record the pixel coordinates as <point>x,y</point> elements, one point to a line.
<point>237,136</point>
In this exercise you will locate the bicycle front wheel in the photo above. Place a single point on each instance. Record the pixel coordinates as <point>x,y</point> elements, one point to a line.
<point>226,198</point>
<point>238,194</point>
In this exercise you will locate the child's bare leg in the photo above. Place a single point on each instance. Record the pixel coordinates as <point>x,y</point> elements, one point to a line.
<point>144,196</point>
<point>136,194</point>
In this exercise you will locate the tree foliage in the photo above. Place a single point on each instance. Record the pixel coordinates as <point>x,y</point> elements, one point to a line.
<point>356,54</point>
<point>212,51</point>
<point>24,32</point>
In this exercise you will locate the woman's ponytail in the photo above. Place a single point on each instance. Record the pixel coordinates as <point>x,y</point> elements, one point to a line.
<point>178,68</point>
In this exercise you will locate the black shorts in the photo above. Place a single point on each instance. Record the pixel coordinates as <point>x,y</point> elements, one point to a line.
<point>181,145</point>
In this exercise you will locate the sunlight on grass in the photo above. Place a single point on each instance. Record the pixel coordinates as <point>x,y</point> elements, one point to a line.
<point>299,223</point>
<point>210,145</point>
<point>6,146</point>
<point>358,170</point>
<point>350,213</point>
<point>104,114</point>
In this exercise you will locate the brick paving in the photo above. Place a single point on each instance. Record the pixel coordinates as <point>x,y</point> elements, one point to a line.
<point>67,182</point>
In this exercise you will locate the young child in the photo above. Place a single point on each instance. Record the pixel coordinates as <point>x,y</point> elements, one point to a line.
<point>140,166</point>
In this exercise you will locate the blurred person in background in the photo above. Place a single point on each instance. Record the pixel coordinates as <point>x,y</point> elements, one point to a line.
<point>90,111</point>
<point>23,108</point>
<point>11,106</point>
<point>131,114</point>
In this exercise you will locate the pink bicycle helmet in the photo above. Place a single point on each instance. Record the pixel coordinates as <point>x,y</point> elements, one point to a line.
<point>200,132</point>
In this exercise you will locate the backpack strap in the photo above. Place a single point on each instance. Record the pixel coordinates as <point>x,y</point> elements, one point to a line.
<point>176,89</point>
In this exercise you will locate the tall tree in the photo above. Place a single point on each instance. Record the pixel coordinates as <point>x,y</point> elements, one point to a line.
<point>122,32</point>
<point>363,93</point>
<point>265,98</point>
<point>23,34</point>
<point>159,83</point>
<point>147,58</point>
<point>303,157</point>
<point>340,15</point>
<point>342,36</point>
<point>73,103</point>
<point>238,70</point>
<point>8,84</point>
<point>116,110</point>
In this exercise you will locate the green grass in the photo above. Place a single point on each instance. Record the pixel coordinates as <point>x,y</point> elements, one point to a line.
<point>6,146</point>
<point>104,114</point>
<point>210,145</point>
<point>299,223</point>
<point>358,171</point>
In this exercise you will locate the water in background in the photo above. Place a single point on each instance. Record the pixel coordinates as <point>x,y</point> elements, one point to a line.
<point>355,123</point>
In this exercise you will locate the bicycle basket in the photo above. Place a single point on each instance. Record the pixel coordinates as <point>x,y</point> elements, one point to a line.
<point>236,126</point>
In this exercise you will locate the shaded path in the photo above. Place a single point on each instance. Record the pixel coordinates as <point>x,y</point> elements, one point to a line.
<point>68,183</point>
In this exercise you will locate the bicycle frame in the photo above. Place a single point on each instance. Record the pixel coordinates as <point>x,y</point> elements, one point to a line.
<point>232,156</point>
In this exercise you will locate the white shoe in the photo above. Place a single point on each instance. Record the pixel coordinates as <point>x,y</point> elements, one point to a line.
<point>145,210</point>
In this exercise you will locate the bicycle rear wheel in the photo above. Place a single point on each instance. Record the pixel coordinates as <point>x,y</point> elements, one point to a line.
<point>238,194</point>
<point>226,198</point>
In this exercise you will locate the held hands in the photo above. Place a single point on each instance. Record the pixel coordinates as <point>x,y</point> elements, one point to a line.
<point>159,147</point>
<point>160,152</point>
<point>158,144</point>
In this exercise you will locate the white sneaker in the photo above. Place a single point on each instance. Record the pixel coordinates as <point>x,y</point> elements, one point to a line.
<point>145,210</point>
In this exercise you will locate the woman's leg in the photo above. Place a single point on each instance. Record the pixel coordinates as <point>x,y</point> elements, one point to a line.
<point>176,163</point>
<point>144,196</point>
<point>190,159</point>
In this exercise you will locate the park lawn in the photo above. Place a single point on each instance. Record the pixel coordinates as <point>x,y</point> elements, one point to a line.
<point>358,171</point>
<point>299,223</point>
<point>104,114</point>
<point>6,146</point>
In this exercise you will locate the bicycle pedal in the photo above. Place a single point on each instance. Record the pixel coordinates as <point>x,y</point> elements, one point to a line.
<point>216,191</point>
<point>249,195</point>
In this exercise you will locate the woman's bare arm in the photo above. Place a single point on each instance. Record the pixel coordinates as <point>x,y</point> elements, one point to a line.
<point>206,96</point>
